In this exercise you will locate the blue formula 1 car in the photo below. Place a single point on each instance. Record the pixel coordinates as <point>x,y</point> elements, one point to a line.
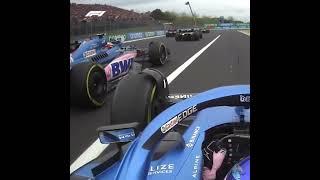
<point>180,141</point>
<point>96,66</point>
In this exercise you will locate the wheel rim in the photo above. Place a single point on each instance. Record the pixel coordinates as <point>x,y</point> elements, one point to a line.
<point>98,84</point>
<point>96,87</point>
<point>163,54</point>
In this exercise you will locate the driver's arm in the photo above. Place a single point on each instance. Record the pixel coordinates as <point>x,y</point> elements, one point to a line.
<point>217,159</point>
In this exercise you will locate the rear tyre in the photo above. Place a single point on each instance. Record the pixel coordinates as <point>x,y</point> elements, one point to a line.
<point>135,100</point>
<point>177,38</point>
<point>88,85</point>
<point>196,36</point>
<point>157,53</point>
<point>193,37</point>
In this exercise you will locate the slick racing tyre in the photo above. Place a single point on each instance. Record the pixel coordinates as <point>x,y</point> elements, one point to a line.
<point>177,38</point>
<point>135,100</point>
<point>88,85</point>
<point>157,53</point>
<point>196,36</point>
<point>192,37</point>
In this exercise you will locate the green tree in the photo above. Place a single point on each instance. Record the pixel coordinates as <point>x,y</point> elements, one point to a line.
<point>157,14</point>
<point>169,16</point>
<point>230,19</point>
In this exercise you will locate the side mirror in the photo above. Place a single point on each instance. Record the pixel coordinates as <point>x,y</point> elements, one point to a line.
<point>118,133</point>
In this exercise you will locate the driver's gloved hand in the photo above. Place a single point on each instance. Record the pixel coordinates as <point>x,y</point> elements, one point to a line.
<point>217,159</point>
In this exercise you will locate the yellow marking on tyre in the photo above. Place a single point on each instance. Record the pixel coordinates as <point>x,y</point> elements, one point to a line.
<point>149,115</point>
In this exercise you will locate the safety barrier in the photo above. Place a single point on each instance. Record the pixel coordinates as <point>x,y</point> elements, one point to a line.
<point>133,36</point>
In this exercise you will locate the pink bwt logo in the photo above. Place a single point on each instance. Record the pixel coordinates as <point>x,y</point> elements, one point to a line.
<point>108,72</point>
<point>119,66</point>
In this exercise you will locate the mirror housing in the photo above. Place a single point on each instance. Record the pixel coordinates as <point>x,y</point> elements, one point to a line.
<point>118,133</point>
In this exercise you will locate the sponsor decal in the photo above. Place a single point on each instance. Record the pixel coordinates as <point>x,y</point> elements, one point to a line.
<point>159,33</point>
<point>244,98</point>
<point>180,96</point>
<point>120,37</point>
<point>195,169</point>
<point>135,35</point>
<point>175,120</point>
<point>149,34</point>
<point>120,67</point>
<point>123,135</point>
<point>189,145</point>
<point>127,135</point>
<point>193,137</point>
<point>89,53</point>
<point>161,169</point>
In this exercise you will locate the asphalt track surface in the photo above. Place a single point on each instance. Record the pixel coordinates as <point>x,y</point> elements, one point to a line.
<point>225,62</point>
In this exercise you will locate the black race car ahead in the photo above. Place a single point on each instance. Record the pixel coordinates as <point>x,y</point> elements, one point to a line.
<point>188,35</point>
<point>198,30</point>
<point>205,30</point>
<point>171,33</point>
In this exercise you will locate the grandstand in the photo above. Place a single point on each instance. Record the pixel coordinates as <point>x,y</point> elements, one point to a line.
<point>78,12</point>
<point>114,21</point>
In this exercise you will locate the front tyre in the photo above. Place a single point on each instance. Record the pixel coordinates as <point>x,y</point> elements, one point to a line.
<point>135,100</point>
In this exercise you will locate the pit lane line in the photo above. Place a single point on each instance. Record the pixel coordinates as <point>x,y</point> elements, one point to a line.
<point>97,148</point>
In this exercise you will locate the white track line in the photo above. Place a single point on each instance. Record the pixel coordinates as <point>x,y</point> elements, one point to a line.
<point>97,148</point>
<point>91,153</point>
<point>175,73</point>
<point>144,39</point>
<point>248,34</point>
